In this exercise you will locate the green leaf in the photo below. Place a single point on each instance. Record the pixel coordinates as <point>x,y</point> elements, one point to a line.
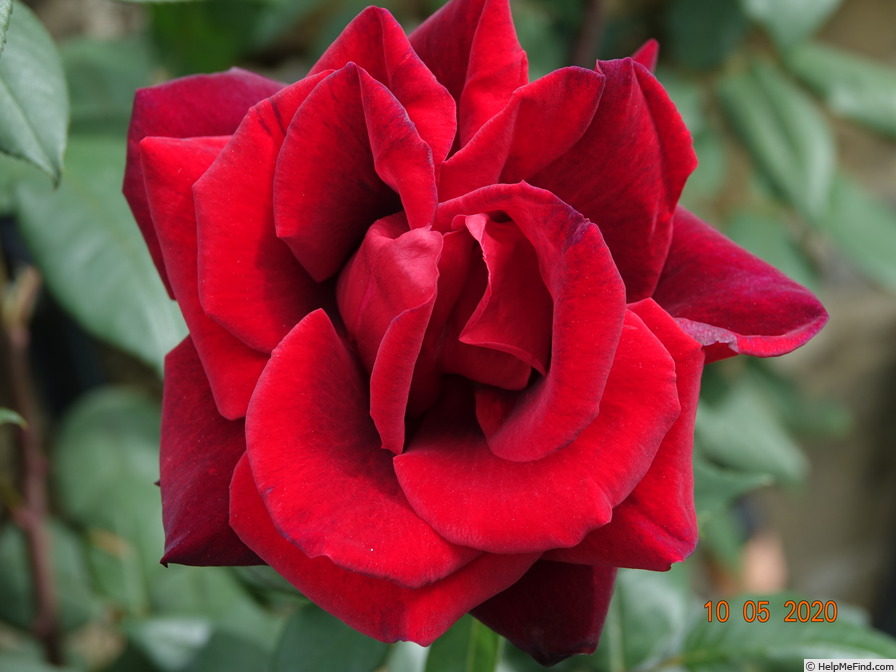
<point>106,465</point>
<point>10,417</point>
<point>229,652</point>
<point>851,86</point>
<point>864,230</point>
<point>23,663</point>
<point>703,33</point>
<point>742,433</point>
<point>647,615</point>
<point>92,254</point>
<point>776,645</point>
<point>406,657</point>
<point>169,642</point>
<point>790,21</point>
<point>467,646</point>
<point>33,95</point>
<point>102,77</point>
<point>76,602</point>
<point>313,640</point>
<point>785,133</point>
<point>715,488</point>
<point>5,13</point>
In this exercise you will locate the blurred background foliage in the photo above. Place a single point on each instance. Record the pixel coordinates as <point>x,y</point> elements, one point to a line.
<point>792,106</point>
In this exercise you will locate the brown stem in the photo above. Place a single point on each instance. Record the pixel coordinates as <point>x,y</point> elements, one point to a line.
<point>31,517</point>
<point>584,50</point>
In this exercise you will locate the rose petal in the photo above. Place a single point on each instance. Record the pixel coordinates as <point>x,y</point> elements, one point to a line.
<point>471,47</point>
<point>376,42</point>
<point>627,172</point>
<point>386,294</point>
<point>249,280</point>
<point>376,607</point>
<point>729,300</point>
<point>183,108</point>
<point>555,611</point>
<point>316,460</point>
<point>473,498</point>
<point>170,167</point>
<point>588,297</point>
<point>199,450</point>
<point>647,54</point>
<point>524,137</point>
<point>350,153</point>
<point>656,525</point>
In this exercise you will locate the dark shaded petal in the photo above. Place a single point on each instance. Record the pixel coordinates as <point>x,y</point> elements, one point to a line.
<point>555,611</point>
<point>199,450</point>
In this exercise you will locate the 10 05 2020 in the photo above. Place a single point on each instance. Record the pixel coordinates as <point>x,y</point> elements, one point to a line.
<point>795,611</point>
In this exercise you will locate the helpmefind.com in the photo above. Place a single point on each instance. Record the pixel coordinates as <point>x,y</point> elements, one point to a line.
<point>841,665</point>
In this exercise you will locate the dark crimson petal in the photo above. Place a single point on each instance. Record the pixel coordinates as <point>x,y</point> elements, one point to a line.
<point>473,498</point>
<point>656,525</point>
<point>249,280</point>
<point>376,607</point>
<point>376,42</point>
<point>184,108</point>
<point>729,300</point>
<point>171,166</point>
<point>525,136</point>
<point>350,152</point>
<point>589,306</point>
<point>555,611</point>
<point>647,54</point>
<point>627,172</point>
<point>386,294</point>
<point>199,450</point>
<point>471,47</point>
<point>316,459</point>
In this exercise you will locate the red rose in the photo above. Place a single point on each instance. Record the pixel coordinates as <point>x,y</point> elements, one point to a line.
<point>446,326</point>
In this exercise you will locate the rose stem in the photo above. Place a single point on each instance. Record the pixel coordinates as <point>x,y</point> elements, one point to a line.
<point>31,515</point>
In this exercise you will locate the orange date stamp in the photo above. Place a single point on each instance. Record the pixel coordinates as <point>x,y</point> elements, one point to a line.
<point>797,611</point>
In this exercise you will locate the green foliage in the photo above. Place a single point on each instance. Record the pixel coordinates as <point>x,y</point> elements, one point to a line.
<point>702,33</point>
<point>468,646</point>
<point>790,21</point>
<point>853,87</point>
<point>33,94</point>
<point>5,13</point>
<point>313,640</point>
<point>92,254</point>
<point>10,417</point>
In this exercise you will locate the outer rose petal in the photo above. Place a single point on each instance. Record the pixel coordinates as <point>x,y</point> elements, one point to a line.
<point>627,172</point>
<point>555,611</point>
<point>476,499</point>
<point>199,450</point>
<point>250,282</point>
<point>316,460</point>
<point>184,108</point>
<point>730,301</point>
<point>589,307</point>
<point>524,136</point>
<point>471,47</point>
<point>376,42</point>
<point>171,166</point>
<point>656,525</point>
<point>351,156</point>
<point>376,607</point>
<point>647,54</point>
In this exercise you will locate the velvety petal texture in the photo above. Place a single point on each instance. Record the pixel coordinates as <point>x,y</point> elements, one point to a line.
<point>729,300</point>
<point>447,326</point>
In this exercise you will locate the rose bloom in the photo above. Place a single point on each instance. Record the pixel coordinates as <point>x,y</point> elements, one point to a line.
<point>447,326</point>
